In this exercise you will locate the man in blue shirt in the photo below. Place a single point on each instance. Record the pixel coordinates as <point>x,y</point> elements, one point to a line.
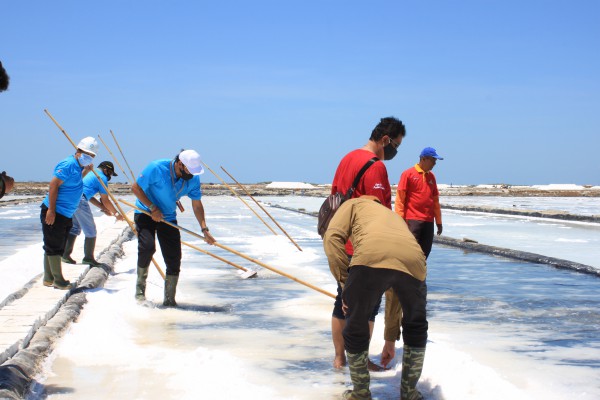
<point>158,188</point>
<point>66,188</point>
<point>83,219</point>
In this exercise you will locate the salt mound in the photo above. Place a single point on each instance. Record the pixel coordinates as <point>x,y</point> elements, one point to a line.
<point>558,186</point>
<point>289,185</point>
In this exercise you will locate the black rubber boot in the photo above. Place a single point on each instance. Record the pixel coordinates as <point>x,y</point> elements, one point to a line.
<point>170,289</point>
<point>66,257</point>
<point>56,267</point>
<point>412,365</point>
<point>88,252</point>
<point>140,287</point>
<point>48,277</point>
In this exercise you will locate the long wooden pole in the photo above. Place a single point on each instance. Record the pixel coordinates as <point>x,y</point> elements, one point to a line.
<point>113,156</point>
<point>243,201</point>
<point>248,272</point>
<point>261,207</point>
<point>133,180</point>
<point>238,253</point>
<point>122,155</point>
<point>107,191</point>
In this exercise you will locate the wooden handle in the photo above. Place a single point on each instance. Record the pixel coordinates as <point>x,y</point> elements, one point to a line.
<point>238,253</point>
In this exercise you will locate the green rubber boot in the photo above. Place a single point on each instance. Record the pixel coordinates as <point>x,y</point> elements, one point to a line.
<point>66,257</point>
<point>140,287</point>
<point>56,267</point>
<point>412,365</point>
<point>359,373</point>
<point>48,277</point>
<point>88,252</point>
<point>170,289</point>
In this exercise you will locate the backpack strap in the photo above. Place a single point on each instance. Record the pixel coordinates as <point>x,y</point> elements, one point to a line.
<point>359,176</point>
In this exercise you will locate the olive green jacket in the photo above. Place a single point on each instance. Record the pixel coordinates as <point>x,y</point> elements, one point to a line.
<point>381,239</point>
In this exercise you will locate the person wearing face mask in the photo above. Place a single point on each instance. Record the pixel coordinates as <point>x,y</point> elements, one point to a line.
<point>158,188</point>
<point>64,194</point>
<point>83,219</point>
<point>383,144</point>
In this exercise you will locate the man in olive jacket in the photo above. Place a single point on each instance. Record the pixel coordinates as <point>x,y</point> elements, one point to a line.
<point>386,255</point>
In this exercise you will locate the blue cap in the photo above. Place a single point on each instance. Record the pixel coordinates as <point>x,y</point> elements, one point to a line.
<point>430,152</point>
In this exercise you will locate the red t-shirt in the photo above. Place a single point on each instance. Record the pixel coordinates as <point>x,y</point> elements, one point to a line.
<point>374,181</point>
<point>421,188</point>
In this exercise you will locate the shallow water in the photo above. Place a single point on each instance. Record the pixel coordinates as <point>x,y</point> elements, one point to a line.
<point>572,205</point>
<point>573,241</point>
<point>498,329</point>
<point>19,226</point>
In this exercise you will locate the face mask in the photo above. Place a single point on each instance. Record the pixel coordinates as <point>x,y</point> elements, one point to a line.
<point>389,152</point>
<point>85,160</point>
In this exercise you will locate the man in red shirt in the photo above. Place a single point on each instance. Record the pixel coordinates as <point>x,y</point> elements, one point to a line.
<point>418,199</point>
<point>383,144</point>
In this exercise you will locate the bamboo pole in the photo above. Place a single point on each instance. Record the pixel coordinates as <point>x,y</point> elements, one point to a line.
<point>162,274</point>
<point>122,155</point>
<point>133,180</point>
<point>113,156</point>
<point>243,201</point>
<point>261,207</point>
<point>248,273</point>
<point>238,253</point>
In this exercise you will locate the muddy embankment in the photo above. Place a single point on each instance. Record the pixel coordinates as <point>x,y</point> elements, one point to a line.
<point>260,189</point>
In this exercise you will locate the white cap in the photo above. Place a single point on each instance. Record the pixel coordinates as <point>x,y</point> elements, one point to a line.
<point>89,145</point>
<point>191,159</point>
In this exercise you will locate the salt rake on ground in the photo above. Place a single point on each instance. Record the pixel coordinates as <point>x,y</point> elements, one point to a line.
<point>238,253</point>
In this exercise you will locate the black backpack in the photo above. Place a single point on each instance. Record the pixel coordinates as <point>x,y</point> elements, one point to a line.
<point>334,201</point>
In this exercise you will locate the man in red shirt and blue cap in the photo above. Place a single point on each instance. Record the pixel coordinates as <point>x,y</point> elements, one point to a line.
<point>418,199</point>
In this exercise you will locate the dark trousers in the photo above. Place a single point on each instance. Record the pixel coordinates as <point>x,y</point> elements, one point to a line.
<point>169,239</point>
<point>55,235</point>
<point>423,232</point>
<point>338,311</point>
<point>364,289</point>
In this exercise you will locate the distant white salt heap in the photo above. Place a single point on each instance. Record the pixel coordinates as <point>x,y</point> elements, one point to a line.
<point>559,186</point>
<point>289,185</point>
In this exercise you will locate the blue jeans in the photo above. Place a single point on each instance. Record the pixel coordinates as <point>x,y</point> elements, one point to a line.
<point>83,219</point>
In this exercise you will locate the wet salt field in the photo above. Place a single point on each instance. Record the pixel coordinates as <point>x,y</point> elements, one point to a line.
<point>574,241</point>
<point>498,328</point>
<point>573,205</point>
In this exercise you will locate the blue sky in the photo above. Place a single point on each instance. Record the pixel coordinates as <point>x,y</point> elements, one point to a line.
<point>507,91</point>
